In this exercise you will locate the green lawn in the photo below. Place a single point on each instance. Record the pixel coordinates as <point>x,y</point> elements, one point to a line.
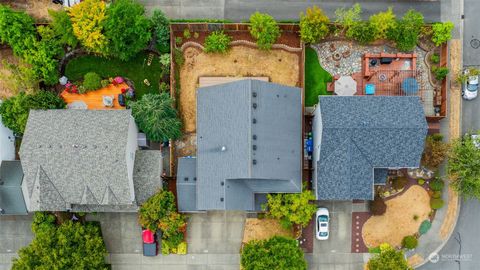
<point>316,78</point>
<point>135,69</point>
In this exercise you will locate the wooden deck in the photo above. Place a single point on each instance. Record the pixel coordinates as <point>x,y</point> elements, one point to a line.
<point>94,99</point>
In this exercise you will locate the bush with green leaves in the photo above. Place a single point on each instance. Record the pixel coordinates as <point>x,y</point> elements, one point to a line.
<point>388,258</point>
<point>424,227</point>
<point>275,253</point>
<point>406,31</point>
<point>291,208</point>
<point>62,26</point>
<point>442,32</point>
<point>15,110</point>
<point>70,245</point>
<point>437,184</point>
<point>435,58</point>
<point>15,29</point>
<point>382,22</point>
<point>440,72</point>
<point>463,169</point>
<point>217,42</point>
<point>155,115</point>
<point>165,60</point>
<point>347,18</point>
<point>436,203</point>
<point>313,25</point>
<point>435,151</point>
<point>264,29</point>
<point>362,32</point>
<point>161,28</point>
<point>92,81</point>
<point>410,242</point>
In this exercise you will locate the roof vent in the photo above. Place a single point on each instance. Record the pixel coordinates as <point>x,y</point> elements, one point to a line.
<point>222,183</point>
<point>254,147</point>
<point>221,199</point>
<point>254,137</point>
<point>254,105</point>
<point>75,145</point>
<point>254,161</point>
<point>223,148</point>
<point>185,179</point>
<point>254,120</point>
<point>254,94</point>
<point>194,178</point>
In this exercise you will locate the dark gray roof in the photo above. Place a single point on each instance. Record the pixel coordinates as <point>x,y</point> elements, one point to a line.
<point>147,174</point>
<point>11,197</point>
<point>380,176</point>
<point>360,134</point>
<point>249,140</point>
<point>76,157</point>
<point>187,184</point>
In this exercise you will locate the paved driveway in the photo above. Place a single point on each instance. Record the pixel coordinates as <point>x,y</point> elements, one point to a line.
<point>15,233</point>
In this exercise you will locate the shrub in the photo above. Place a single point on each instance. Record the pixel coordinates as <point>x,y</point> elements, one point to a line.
<point>440,72</point>
<point>424,227</point>
<point>155,115</point>
<point>347,18</point>
<point>442,32</point>
<point>435,58</point>
<point>217,42</point>
<point>362,32</point>
<point>178,57</point>
<point>313,25</point>
<point>406,31</point>
<point>421,181</point>
<point>463,169</point>
<point>388,258</point>
<point>436,203</point>
<point>435,151</point>
<point>382,22</point>
<point>178,40</point>
<point>437,194</point>
<point>437,184</point>
<point>264,30</point>
<point>275,253</point>
<point>410,242</point>
<point>291,208</point>
<point>399,183</point>
<point>155,209</point>
<point>92,81</point>
<point>104,83</point>
<point>374,250</point>
<point>62,26</point>
<point>415,217</point>
<point>82,89</point>
<point>165,60</point>
<point>15,27</point>
<point>161,28</point>
<point>186,33</point>
<point>378,206</point>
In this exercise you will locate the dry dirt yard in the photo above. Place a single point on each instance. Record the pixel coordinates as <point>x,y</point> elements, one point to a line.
<point>279,65</point>
<point>398,222</point>
<point>38,9</point>
<point>259,229</point>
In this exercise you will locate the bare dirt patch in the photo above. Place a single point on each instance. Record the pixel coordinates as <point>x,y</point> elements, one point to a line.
<point>259,229</point>
<point>38,9</point>
<point>5,89</point>
<point>398,221</point>
<point>280,66</point>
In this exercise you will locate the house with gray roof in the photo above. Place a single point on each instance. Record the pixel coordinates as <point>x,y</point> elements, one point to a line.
<point>358,138</point>
<point>249,143</point>
<point>86,160</point>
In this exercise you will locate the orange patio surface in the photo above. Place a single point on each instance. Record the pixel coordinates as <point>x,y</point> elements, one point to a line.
<point>94,99</point>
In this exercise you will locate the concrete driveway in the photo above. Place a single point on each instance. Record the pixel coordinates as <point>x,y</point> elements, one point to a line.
<point>15,233</point>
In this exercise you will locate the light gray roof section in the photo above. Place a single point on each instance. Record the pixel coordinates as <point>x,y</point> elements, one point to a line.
<point>247,130</point>
<point>187,184</point>
<point>11,197</point>
<point>363,133</point>
<point>76,156</point>
<point>147,174</point>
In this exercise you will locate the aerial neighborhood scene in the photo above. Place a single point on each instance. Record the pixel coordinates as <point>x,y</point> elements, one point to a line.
<point>237,134</point>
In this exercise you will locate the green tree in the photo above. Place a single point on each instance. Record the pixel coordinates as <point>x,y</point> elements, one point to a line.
<point>156,117</point>
<point>291,208</point>
<point>362,32</point>
<point>410,242</point>
<point>161,27</point>
<point>127,29</point>
<point>463,167</point>
<point>313,25</point>
<point>406,31</point>
<point>264,29</point>
<point>382,22</point>
<point>15,28</point>
<point>62,26</point>
<point>275,253</point>
<point>155,209</point>
<point>442,32</point>
<point>70,245</point>
<point>14,110</point>
<point>347,18</point>
<point>388,258</point>
<point>217,42</point>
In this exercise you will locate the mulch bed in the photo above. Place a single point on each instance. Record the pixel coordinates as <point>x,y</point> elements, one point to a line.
<point>307,237</point>
<point>357,244</point>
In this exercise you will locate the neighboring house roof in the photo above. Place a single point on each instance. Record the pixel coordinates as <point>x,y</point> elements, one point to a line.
<point>11,197</point>
<point>76,157</point>
<point>187,184</point>
<point>249,140</point>
<point>147,174</point>
<point>360,135</point>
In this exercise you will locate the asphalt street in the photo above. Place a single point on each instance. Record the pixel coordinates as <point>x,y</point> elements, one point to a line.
<point>471,37</point>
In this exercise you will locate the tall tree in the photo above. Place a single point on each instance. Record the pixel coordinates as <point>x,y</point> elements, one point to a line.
<point>127,28</point>
<point>464,167</point>
<point>62,27</point>
<point>388,258</point>
<point>161,26</point>
<point>155,115</point>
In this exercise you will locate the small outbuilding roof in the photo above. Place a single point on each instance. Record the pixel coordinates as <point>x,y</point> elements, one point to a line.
<point>11,197</point>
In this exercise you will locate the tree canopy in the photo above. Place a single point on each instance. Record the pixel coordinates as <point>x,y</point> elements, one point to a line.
<point>127,29</point>
<point>15,110</point>
<point>62,26</point>
<point>388,258</point>
<point>161,27</point>
<point>313,25</point>
<point>405,32</point>
<point>275,253</point>
<point>291,208</point>
<point>464,167</point>
<point>264,29</point>
<point>70,245</point>
<point>156,117</point>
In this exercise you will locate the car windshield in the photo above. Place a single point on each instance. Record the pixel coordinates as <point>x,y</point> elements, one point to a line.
<point>472,87</point>
<point>322,218</point>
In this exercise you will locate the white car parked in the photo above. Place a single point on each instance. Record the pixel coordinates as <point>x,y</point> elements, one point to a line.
<point>470,87</point>
<point>322,220</point>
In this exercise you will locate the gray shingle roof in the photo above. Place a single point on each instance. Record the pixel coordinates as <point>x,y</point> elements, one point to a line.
<point>11,197</point>
<point>187,184</point>
<point>147,174</point>
<point>249,140</point>
<point>363,133</point>
<point>76,157</point>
